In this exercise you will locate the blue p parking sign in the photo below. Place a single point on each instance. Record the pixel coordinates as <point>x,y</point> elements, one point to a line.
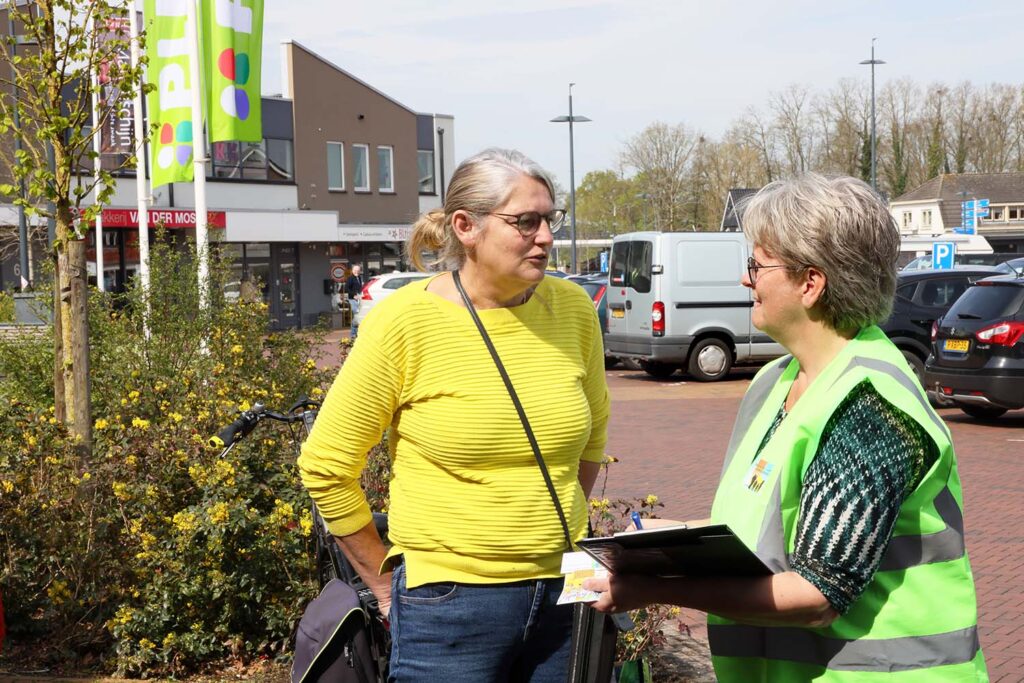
<point>942,255</point>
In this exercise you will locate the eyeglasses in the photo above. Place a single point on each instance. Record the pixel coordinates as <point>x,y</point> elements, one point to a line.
<point>529,223</point>
<point>753,266</point>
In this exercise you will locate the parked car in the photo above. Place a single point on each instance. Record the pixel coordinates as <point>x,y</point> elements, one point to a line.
<point>1012,267</point>
<point>597,287</point>
<point>380,286</point>
<point>922,297</point>
<point>994,259</point>
<point>675,300</point>
<point>977,358</point>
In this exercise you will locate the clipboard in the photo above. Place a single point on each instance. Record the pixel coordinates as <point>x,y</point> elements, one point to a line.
<point>712,550</point>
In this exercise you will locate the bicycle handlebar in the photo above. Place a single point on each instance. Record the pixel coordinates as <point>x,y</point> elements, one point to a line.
<point>247,421</point>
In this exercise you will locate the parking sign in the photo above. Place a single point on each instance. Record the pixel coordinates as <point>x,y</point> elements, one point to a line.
<point>942,255</point>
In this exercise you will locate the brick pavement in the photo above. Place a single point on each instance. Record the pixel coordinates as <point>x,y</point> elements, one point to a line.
<point>670,437</point>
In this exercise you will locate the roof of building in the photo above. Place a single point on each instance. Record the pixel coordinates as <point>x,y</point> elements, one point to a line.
<point>730,220</point>
<point>998,188</point>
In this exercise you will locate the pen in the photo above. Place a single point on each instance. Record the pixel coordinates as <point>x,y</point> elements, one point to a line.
<point>635,516</point>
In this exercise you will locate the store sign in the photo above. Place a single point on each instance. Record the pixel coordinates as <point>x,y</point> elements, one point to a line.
<point>168,218</point>
<point>338,271</point>
<point>397,233</point>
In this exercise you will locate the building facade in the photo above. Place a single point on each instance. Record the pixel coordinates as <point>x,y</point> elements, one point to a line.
<point>341,173</point>
<point>932,211</point>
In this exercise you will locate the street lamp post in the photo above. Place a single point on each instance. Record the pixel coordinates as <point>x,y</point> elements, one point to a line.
<point>570,119</point>
<point>873,62</point>
<point>23,237</point>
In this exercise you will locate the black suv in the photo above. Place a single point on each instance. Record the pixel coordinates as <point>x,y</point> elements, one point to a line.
<point>922,297</point>
<point>977,356</point>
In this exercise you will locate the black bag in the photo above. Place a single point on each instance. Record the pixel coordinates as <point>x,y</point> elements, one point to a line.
<point>594,634</point>
<point>331,643</point>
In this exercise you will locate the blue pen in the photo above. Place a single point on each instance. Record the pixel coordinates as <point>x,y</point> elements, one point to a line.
<point>635,516</point>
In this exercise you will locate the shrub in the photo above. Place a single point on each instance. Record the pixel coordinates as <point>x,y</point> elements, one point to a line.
<point>154,556</point>
<point>606,518</point>
<point>6,307</point>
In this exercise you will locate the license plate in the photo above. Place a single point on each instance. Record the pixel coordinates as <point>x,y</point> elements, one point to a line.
<point>959,345</point>
<point>618,313</point>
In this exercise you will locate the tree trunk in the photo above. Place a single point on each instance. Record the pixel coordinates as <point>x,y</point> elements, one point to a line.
<point>59,404</point>
<point>80,408</point>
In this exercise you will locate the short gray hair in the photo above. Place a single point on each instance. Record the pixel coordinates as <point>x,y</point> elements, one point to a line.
<point>840,226</point>
<point>479,185</point>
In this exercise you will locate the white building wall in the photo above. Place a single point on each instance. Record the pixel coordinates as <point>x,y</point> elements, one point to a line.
<point>447,124</point>
<point>219,195</point>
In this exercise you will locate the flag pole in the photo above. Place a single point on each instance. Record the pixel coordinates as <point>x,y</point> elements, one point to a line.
<point>140,166</point>
<point>97,163</point>
<point>198,153</point>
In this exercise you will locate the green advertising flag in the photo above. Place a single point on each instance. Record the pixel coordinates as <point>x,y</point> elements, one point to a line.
<point>170,104</point>
<point>232,49</point>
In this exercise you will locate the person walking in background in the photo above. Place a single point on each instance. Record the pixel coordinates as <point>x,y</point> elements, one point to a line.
<point>354,294</point>
<point>477,539</point>
<point>839,474</point>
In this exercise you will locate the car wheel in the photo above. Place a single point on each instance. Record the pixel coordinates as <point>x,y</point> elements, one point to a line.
<point>916,364</point>
<point>982,412</point>
<point>610,362</point>
<point>656,369</point>
<point>710,360</point>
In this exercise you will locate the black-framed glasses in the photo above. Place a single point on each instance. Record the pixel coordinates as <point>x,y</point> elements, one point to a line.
<point>753,266</point>
<point>528,223</point>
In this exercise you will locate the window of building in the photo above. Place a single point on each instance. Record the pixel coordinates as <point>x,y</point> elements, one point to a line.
<point>361,168</point>
<point>1015,213</point>
<point>268,159</point>
<point>336,166</point>
<point>280,156</point>
<point>926,218</point>
<point>425,164</point>
<point>996,214</point>
<point>385,170</point>
<point>907,216</point>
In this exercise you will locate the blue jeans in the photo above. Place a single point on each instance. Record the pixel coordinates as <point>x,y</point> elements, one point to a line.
<point>353,305</point>
<point>455,632</point>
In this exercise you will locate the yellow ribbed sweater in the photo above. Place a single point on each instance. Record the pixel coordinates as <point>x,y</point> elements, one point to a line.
<point>468,501</point>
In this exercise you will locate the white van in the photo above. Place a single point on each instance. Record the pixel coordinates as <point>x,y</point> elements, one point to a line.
<point>675,301</point>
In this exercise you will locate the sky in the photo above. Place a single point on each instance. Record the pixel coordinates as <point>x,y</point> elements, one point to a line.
<point>503,69</point>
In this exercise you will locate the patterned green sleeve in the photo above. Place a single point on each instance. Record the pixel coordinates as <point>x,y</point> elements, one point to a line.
<point>871,456</point>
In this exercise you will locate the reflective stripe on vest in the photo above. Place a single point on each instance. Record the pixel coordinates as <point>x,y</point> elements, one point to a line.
<point>864,654</point>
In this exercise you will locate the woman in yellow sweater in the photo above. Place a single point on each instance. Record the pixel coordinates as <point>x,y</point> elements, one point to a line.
<point>477,541</point>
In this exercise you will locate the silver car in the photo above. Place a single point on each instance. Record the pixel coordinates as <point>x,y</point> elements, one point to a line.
<point>380,286</point>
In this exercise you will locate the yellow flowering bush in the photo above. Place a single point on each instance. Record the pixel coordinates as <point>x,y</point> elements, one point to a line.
<point>152,555</point>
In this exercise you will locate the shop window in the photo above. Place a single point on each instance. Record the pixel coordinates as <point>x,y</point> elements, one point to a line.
<point>336,166</point>
<point>280,160</point>
<point>425,164</point>
<point>385,172</point>
<point>361,168</point>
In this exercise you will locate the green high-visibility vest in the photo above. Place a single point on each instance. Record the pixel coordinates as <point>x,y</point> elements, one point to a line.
<point>917,619</point>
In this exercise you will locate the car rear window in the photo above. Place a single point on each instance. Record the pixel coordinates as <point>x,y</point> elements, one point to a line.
<point>988,302</point>
<point>395,283</point>
<point>592,288</point>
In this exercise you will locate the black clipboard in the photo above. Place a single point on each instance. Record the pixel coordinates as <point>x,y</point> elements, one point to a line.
<point>676,551</point>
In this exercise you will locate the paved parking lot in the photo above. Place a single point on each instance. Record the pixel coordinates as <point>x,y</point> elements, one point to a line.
<point>670,436</point>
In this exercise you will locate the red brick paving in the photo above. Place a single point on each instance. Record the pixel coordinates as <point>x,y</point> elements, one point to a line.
<point>670,437</point>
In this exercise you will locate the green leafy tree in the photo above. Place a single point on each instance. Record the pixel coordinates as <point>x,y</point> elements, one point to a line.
<point>50,85</point>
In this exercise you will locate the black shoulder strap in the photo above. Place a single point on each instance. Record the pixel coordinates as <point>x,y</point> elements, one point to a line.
<point>518,405</point>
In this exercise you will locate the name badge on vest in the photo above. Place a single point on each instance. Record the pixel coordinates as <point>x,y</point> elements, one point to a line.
<point>757,475</point>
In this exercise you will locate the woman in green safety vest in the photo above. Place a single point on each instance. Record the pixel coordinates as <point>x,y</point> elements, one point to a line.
<point>838,475</point>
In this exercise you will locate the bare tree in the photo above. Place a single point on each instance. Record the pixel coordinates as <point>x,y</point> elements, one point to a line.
<point>791,110</point>
<point>661,155</point>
